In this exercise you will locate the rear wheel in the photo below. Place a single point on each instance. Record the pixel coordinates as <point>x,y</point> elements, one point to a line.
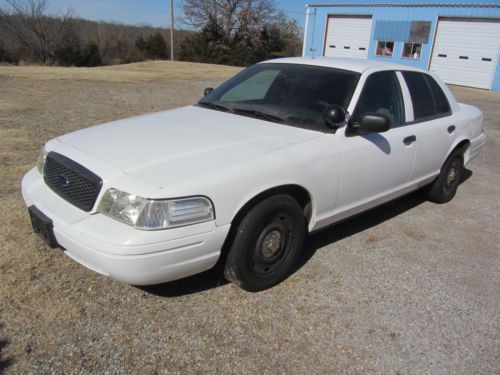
<point>444,188</point>
<point>267,244</point>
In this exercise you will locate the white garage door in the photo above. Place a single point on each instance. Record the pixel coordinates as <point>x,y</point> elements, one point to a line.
<point>348,36</point>
<point>466,51</point>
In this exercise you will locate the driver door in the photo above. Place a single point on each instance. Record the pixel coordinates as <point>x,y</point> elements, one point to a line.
<point>376,167</point>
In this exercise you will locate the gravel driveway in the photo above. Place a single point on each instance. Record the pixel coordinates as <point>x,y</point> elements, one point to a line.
<point>409,288</point>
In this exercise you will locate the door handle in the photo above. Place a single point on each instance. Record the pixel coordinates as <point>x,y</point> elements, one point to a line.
<point>451,129</point>
<point>409,140</point>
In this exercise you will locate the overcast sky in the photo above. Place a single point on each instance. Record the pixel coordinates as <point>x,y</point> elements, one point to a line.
<point>152,12</point>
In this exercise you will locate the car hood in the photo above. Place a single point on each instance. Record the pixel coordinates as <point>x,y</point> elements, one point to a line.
<point>170,146</point>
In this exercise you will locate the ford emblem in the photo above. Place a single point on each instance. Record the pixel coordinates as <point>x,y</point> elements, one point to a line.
<point>63,180</point>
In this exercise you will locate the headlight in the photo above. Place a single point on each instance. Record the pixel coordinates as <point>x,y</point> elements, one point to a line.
<point>40,164</point>
<point>150,214</point>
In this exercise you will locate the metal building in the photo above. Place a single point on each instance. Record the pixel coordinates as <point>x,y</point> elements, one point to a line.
<point>460,41</point>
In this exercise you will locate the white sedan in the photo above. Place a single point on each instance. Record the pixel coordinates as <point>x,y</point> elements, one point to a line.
<point>284,148</point>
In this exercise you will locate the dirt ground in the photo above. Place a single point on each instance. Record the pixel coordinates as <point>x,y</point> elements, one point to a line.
<point>409,288</point>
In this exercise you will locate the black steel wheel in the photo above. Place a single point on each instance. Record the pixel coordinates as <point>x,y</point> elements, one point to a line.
<point>267,244</point>
<point>444,188</point>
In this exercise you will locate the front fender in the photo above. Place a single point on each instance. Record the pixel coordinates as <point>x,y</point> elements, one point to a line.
<point>297,191</point>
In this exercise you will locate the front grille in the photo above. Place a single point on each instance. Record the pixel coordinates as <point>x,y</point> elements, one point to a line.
<point>71,181</point>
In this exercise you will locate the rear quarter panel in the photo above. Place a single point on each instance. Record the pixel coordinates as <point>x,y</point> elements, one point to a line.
<point>469,124</point>
<point>467,119</point>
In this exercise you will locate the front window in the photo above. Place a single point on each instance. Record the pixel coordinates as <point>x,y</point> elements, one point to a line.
<point>385,48</point>
<point>291,94</point>
<point>381,95</point>
<point>412,50</point>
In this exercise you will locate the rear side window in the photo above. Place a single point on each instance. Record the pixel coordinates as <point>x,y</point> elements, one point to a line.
<point>427,97</point>
<point>442,105</point>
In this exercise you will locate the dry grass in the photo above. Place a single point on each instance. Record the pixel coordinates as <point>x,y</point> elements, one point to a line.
<point>369,301</point>
<point>37,104</point>
<point>138,72</point>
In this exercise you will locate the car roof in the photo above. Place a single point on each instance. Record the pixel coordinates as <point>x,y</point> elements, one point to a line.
<point>344,63</point>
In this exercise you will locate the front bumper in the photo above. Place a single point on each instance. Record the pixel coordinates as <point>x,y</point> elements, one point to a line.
<point>122,252</point>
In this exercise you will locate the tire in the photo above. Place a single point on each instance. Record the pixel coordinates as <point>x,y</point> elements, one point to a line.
<point>267,244</point>
<point>444,188</point>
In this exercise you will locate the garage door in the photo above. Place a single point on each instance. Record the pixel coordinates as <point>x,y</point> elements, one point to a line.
<point>348,36</point>
<point>466,51</point>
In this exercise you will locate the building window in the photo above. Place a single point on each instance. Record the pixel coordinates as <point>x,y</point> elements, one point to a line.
<point>419,31</point>
<point>385,48</point>
<point>412,50</point>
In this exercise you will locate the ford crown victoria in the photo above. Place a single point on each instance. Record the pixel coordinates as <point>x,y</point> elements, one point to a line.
<point>284,148</point>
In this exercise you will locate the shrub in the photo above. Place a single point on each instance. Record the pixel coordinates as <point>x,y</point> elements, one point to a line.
<point>74,55</point>
<point>3,53</point>
<point>68,50</point>
<point>153,47</point>
<point>9,56</point>
<point>245,47</point>
<point>90,55</point>
<point>209,46</point>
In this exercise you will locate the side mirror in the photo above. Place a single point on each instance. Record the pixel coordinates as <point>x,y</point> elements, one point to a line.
<point>334,116</point>
<point>373,123</point>
<point>208,91</point>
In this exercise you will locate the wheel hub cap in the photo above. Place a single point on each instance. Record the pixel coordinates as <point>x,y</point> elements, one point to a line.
<point>271,243</point>
<point>451,176</point>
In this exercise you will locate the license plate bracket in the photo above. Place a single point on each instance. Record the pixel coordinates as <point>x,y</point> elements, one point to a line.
<point>43,226</point>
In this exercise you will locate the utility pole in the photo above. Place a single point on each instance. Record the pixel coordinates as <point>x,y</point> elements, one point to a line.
<point>171,30</point>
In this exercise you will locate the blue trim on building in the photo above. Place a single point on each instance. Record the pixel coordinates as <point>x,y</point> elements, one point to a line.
<point>496,79</point>
<point>394,18</point>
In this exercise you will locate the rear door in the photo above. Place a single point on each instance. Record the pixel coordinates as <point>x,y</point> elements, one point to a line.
<point>433,125</point>
<point>376,166</point>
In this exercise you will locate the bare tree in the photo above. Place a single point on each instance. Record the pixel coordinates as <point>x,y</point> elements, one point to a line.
<point>232,15</point>
<point>238,32</point>
<point>289,33</point>
<point>27,22</point>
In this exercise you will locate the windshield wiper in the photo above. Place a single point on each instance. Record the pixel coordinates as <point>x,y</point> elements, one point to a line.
<point>259,114</point>
<point>244,111</point>
<point>217,107</point>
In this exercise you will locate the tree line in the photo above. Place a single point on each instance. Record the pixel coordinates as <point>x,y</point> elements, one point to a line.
<point>29,34</point>
<point>238,32</point>
<point>232,32</point>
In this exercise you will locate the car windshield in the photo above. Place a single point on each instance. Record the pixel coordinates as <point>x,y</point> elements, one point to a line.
<point>291,94</point>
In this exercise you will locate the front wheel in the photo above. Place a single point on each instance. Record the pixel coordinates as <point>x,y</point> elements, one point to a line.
<point>267,244</point>
<point>444,188</point>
